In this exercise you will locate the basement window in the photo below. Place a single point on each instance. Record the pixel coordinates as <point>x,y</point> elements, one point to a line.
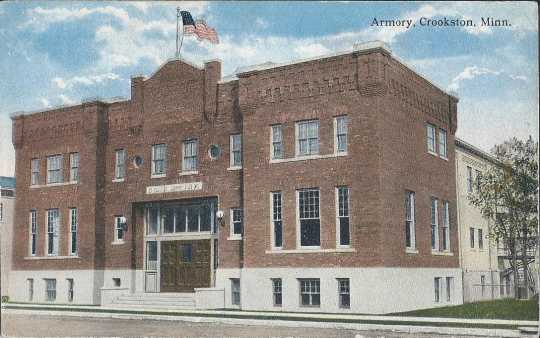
<point>117,282</point>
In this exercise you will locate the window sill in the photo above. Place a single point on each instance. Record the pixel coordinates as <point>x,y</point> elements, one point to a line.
<point>52,185</point>
<point>306,250</point>
<point>118,180</point>
<point>187,173</point>
<point>118,243</point>
<point>442,253</point>
<point>411,251</point>
<point>234,238</point>
<point>50,257</point>
<point>308,157</point>
<point>433,153</point>
<point>234,168</point>
<point>443,157</point>
<point>158,175</point>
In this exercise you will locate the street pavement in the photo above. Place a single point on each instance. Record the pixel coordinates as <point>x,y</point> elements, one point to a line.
<point>19,325</point>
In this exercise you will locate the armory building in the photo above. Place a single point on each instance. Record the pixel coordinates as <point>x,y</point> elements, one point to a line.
<point>318,185</point>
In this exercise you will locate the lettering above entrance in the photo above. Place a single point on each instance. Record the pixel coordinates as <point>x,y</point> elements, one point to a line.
<point>160,189</point>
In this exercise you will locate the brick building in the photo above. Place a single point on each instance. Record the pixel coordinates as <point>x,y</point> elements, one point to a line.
<point>318,185</point>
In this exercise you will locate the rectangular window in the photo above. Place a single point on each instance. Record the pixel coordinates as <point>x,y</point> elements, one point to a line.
<point>437,287</point>
<point>118,228</point>
<point>74,167</point>
<point>471,237</point>
<point>341,124</point>
<point>120,164</point>
<point>151,256</point>
<point>33,232</point>
<point>449,285</point>
<point>50,290</point>
<point>431,138</point>
<point>344,291</point>
<point>434,225</point>
<point>70,290</point>
<point>53,220</point>
<point>73,217</point>
<point>55,171</point>
<point>189,150</point>
<point>235,291</point>
<point>30,285</point>
<point>309,218</point>
<point>152,220</point>
<point>236,222</point>
<point>480,239</point>
<point>478,179</point>
<point>277,142</point>
<point>277,222</point>
<point>159,159</point>
<point>483,284</point>
<point>442,143</point>
<point>343,216</point>
<point>236,151</point>
<point>446,227</point>
<point>307,138</point>
<point>310,292</point>
<point>410,232</point>
<point>276,291</point>
<point>469,179</point>
<point>35,171</point>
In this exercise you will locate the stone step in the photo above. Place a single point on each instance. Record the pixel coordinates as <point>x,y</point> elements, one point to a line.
<point>155,306</point>
<point>155,301</point>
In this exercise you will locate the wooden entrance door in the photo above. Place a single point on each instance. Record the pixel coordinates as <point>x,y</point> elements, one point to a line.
<point>185,265</point>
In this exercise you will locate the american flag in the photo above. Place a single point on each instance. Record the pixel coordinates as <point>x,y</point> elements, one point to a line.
<point>199,28</point>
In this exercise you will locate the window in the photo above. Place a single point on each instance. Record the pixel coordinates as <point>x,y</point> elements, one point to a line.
<point>478,179</point>
<point>55,169</point>
<point>449,284</point>
<point>310,292</point>
<point>33,232</point>
<point>410,232</point>
<point>73,226</point>
<point>70,290</point>
<point>117,282</point>
<point>118,229</point>
<point>469,179</point>
<point>341,124</point>
<point>120,164</point>
<point>434,225</point>
<point>442,143</point>
<point>34,180</point>
<point>189,162</point>
<point>307,138</point>
<point>483,284</point>
<point>343,216</point>
<point>431,138</point>
<point>74,167</point>
<point>276,291</point>
<point>480,239</point>
<point>471,237</point>
<point>437,287</point>
<point>236,151</point>
<point>446,227</point>
<point>151,255</point>
<point>159,159</point>
<point>277,142</point>
<point>187,253</point>
<point>308,211</point>
<point>344,291</point>
<point>236,222</point>
<point>235,291</point>
<point>53,220</point>
<point>30,285</point>
<point>50,290</point>
<point>277,222</point>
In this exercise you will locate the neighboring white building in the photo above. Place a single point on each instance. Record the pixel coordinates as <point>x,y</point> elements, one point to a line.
<point>7,209</point>
<point>478,253</point>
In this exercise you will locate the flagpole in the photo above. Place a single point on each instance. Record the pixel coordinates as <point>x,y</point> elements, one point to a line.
<point>177,51</point>
<point>182,39</point>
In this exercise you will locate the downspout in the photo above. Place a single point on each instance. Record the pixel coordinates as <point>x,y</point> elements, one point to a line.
<point>459,229</point>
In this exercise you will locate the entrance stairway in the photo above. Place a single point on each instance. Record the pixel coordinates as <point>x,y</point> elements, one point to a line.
<point>156,301</point>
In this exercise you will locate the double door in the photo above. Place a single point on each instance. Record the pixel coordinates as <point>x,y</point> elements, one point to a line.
<point>185,265</point>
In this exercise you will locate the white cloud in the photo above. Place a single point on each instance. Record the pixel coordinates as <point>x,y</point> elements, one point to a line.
<point>65,100</point>
<point>261,23</point>
<point>45,102</point>
<point>40,18</point>
<point>471,72</point>
<point>84,80</point>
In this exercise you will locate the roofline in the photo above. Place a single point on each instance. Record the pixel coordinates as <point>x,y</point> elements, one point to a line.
<point>192,64</point>
<point>460,144</point>
<point>84,101</point>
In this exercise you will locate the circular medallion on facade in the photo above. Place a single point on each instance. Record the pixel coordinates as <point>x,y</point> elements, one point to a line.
<point>137,161</point>
<point>214,151</point>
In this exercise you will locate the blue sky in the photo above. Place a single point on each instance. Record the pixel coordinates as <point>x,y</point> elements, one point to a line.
<point>58,53</point>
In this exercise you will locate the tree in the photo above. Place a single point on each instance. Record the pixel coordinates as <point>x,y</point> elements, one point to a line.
<point>508,194</point>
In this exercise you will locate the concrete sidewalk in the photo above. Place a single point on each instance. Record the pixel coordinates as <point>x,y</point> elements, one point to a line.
<point>450,326</point>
